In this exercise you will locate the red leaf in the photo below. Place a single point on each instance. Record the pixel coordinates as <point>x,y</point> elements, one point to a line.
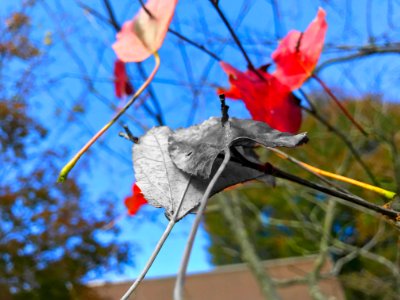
<point>142,36</point>
<point>298,53</point>
<point>134,202</point>
<point>121,82</point>
<point>267,99</point>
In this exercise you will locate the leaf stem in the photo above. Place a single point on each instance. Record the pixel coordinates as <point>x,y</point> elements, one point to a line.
<point>343,137</point>
<point>203,203</point>
<point>388,194</point>
<point>67,168</point>
<point>113,21</point>
<point>336,100</point>
<point>151,260</point>
<point>158,247</point>
<point>271,170</point>
<point>391,214</point>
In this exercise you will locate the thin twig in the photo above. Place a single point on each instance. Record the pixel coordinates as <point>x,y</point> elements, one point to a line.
<point>277,18</point>
<point>315,290</point>
<point>149,263</point>
<point>113,21</point>
<point>153,98</point>
<point>146,9</point>
<point>117,27</point>
<point>305,97</point>
<point>159,245</point>
<point>349,257</point>
<point>178,290</point>
<point>233,214</point>
<point>344,138</point>
<point>306,225</point>
<point>271,170</point>
<point>363,52</point>
<point>320,173</point>
<point>111,14</point>
<point>370,255</point>
<point>395,160</point>
<point>182,37</point>
<point>233,34</point>
<point>67,168</point>
<point>194,44</point>
<point>306,167</point>
<point>338,103</point>
<point>354,199</point>
<point>187,62</point>
<point>235,38</point>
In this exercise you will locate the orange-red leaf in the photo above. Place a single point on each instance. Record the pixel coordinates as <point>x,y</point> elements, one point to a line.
<point>142,36</point>
<point>298,53</point>
<point>266,98</point>
<point>135,201</point>
<point>122,86</point>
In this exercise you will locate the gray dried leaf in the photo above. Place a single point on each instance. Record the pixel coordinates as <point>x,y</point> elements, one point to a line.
<point>195,149</point>
<point>163,184</point>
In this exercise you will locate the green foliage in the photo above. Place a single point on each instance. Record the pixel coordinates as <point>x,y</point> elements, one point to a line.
<point>286,220</point>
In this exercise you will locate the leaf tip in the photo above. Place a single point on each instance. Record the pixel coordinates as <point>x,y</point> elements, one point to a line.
<point>61,178</point>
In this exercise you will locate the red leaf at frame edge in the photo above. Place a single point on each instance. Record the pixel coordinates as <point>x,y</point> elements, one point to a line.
<point>142,36</point>
<point>135,201</point>
<point>266,98</point>
<point>122,86</point>
<point>297,54</point>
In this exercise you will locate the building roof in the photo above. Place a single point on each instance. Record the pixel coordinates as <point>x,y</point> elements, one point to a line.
<point>233,282</point>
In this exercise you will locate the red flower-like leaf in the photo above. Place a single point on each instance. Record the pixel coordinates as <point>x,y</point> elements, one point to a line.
<point>142,36</point>
<point>298,53</point>
<point>135,201</point>
<point>266,98</point>
<point>121,82</point>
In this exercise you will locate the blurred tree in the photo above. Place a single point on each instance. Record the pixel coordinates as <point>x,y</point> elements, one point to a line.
<point>49,234</point>
<point>288,220</point>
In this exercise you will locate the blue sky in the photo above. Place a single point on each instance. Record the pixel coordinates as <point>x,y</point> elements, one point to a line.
<point>81,49</point>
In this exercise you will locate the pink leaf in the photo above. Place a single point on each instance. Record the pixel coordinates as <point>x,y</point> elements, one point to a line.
<point>144,35</point>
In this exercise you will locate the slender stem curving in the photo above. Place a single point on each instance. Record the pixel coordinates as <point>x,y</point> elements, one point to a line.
<point>67,168</point>
<point>271,170</point>
<point>345,140</point>
<point>236,39</point>
<point>391,214</point>
<point>203,203</point>
<point>151,260</point>
<point>342,108</point>
<point>158,247</point>
<point>387,194</point>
